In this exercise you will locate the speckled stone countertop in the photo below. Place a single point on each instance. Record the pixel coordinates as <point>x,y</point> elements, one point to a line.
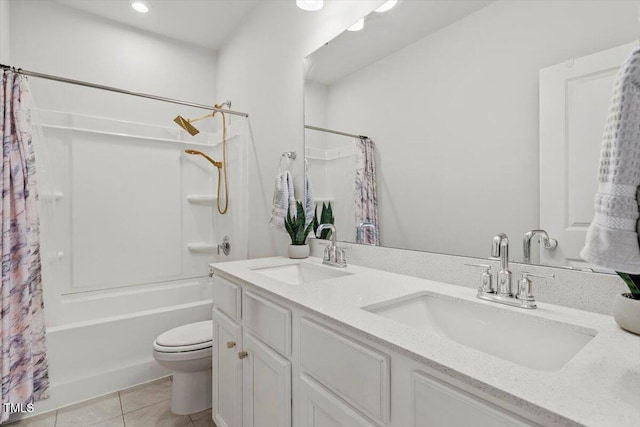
<point>599,386</point>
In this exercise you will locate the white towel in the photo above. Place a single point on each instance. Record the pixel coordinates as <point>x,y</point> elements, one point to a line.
<point>612,237</point>
<point>309,205</point>
<point>283,198</point>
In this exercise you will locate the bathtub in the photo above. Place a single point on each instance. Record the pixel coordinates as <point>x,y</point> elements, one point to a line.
<point>102,342</point>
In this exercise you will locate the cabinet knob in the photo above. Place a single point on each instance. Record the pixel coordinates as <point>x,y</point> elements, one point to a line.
<point>242,355</point>
<point>231,344</point>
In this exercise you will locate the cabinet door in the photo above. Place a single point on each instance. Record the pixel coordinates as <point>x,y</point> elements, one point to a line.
<point>267,385</point>
<point>227,371</point>
<point>321,408</point>
<point>436,404</point>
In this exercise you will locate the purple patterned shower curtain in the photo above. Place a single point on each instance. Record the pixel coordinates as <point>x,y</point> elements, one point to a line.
<point>366,192</point>
<point>23,360</point>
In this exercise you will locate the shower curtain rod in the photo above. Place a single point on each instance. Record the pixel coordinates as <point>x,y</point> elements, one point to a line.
<point>117,90</point>
<point>335,132</point>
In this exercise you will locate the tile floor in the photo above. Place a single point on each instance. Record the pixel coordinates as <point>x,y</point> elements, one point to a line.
<point>147,405</point>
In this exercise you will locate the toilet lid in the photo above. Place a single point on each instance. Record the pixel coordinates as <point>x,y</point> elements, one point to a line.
<point>187,335</point>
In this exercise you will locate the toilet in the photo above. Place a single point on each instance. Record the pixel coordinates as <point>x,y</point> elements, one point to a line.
<point>186,350</point>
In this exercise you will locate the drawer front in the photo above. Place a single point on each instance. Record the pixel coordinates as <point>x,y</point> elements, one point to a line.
<point>441,405</point>
<point>354,371</point>
<point>227,297</point>
<point>267,320</point>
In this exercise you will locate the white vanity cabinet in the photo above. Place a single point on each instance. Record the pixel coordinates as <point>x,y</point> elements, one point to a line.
<point>251,375</point>
<point>264,349</point>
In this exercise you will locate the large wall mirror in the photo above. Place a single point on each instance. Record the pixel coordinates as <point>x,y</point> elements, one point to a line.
<point>484,117</point>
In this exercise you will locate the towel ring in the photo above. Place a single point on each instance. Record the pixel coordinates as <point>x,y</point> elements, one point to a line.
<point>289,155</point>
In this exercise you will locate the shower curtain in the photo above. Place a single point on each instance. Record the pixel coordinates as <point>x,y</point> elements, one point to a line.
<point>366,192</point>
<point>23,361</point>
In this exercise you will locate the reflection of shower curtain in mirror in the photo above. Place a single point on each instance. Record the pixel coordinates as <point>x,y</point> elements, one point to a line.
<point>23,362</point>
<point>366,194</point>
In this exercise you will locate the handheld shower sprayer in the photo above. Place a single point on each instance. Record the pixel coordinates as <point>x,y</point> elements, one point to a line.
<point>200,153</point>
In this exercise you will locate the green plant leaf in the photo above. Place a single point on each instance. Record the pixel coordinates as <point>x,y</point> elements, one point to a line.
<point>326,217</point>
<point>295,225</point>
<point>315,220</point>
<point>631,284</point>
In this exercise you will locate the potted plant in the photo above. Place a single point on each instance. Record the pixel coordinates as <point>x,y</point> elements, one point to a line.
<point>626,306</point>
<point>326,217</point>
<point>298,232</point>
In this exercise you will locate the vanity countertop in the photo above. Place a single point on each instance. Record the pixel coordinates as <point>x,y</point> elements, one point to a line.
<point>599,386</point>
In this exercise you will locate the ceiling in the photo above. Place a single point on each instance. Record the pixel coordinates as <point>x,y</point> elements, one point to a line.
<point>205,23</point>
<point>383,34</point>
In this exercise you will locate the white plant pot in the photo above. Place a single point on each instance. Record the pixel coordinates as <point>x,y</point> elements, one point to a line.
<point>298,251</point>
<point>626,312</point>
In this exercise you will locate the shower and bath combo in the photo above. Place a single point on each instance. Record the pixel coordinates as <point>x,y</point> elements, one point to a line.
<point>221,166</point>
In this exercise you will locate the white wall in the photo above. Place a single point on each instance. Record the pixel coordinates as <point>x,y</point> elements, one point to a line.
<point>459,99</point>
<point>52,38</point>
<point>4,32</point>
<point>261,70</point>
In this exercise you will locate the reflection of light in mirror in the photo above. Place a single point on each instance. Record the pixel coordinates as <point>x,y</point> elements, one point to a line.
<point>386,6</point>
<point>310,5</point>
<point>357,26</point>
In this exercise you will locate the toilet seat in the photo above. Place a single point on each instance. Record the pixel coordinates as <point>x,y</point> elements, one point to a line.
<point>191,337</point>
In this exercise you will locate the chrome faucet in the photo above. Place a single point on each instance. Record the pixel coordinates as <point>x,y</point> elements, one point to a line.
<point>500,248</point>
<point>333,255</point>
<point>360,231</point>
<point>547,243</point>
<point>502,293</point>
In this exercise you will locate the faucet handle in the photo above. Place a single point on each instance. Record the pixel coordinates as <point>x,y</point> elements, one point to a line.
<point>340,258</point>
<point>327,252</point>
<point>485,266</point>
<point>486,284</point>
<point>525,288</point>
<point>526,275</point>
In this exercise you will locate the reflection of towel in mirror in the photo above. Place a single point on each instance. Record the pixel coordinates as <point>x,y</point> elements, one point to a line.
<point>612,237</point>
<point>283,198</point>
<point>309,205</point>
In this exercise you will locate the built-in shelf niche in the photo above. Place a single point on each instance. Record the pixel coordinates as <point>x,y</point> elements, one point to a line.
<point>313,153</point>
<point>202,248</point>
<point>201,199</point>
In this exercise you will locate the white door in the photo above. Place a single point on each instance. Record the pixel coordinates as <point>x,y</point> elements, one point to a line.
<point>227,371</point>
<point>267,386</point>
<point>574,101</point>
<point>321,408</point>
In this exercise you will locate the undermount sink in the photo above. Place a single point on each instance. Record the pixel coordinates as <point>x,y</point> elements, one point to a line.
<point>298,273</point>
<point>520,338</point>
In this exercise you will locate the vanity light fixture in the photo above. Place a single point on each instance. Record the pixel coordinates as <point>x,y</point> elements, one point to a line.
<point>310,5</point>
<point>357,26</point>
<point>140,6</point>
<point>386,6</point>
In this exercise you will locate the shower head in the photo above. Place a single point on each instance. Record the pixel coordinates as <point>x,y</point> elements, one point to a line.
<point>186,125</point>
<point>200,153</point>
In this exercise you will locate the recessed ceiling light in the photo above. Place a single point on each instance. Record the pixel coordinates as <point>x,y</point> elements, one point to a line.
<point>357,26</point>
<point>386,6</point>
<point>310,5</point>
<point>140,6</point>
